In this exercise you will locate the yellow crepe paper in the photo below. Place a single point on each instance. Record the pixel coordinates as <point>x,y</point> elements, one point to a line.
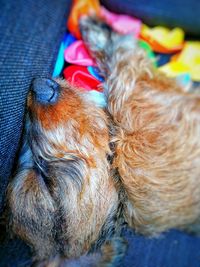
<point>167,38</point>
<point>188,61</point>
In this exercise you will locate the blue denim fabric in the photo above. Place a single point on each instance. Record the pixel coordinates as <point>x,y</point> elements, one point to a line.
<point>30,35</point>
<point>171,249</point>
<point>171,13</point>
<point>14,253</point>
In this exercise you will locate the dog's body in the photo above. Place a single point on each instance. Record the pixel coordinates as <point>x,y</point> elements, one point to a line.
<point>157,137</point>
<point>65,200</point>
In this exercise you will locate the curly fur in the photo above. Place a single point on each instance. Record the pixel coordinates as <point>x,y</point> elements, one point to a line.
<point>157,134</point>
<point>63,199</point>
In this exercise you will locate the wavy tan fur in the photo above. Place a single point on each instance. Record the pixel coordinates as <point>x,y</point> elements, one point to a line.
<point>157,136</point>
<point>63,198</point>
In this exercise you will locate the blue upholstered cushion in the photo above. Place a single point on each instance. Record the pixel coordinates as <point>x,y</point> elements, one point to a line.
<point>30,35</point>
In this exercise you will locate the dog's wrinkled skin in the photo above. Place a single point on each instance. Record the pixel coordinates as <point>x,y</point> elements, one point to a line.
<point>63,200</point>
<point>158,134</point>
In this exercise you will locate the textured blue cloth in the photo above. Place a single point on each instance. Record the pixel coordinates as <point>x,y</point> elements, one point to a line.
<point>170,13</point>
<point>172,249</point>
<point>14,253</point>
<point>30,35</point>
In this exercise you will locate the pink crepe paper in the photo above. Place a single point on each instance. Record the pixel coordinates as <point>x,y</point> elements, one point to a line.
<point>77,54</point>
<point>123,24</point>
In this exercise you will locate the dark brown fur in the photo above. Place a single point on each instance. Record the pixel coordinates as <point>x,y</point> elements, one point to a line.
<point>63,199</point>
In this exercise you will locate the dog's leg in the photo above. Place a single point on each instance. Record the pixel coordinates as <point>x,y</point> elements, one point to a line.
<point>119,58</point>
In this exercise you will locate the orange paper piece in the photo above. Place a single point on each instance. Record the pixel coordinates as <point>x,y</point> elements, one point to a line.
<point>79,8</point>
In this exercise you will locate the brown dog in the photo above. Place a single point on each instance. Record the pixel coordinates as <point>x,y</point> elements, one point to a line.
<point>157,134</point>
<point>63,199</point>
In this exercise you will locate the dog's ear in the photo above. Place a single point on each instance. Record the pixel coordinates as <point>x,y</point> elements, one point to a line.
<point>70,169</point>
<point>31,211</point>
<point>38,203</point>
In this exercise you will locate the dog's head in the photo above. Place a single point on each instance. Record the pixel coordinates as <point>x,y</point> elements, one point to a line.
<point>63,163</point>
<point>55,111</point>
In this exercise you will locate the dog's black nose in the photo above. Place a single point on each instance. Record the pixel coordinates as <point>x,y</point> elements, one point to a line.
<point>46,91</point>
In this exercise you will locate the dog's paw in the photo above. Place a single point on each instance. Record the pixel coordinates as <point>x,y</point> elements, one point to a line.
<point>99,36</point>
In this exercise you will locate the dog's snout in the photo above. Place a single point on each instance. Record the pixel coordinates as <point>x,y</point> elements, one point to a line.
<point>46,91</point>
